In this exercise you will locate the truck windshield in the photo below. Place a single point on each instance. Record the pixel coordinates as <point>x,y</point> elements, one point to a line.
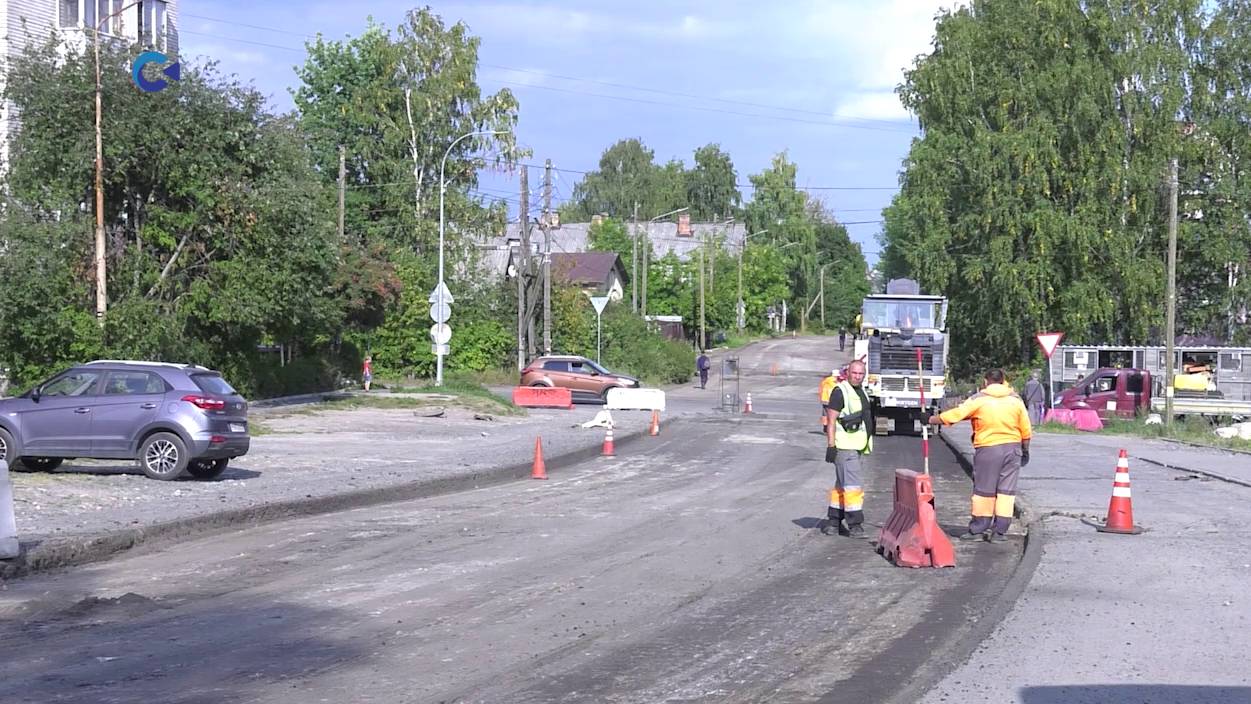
<point>902,313</point>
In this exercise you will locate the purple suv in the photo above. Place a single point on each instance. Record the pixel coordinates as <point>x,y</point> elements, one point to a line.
<point>171,418</point>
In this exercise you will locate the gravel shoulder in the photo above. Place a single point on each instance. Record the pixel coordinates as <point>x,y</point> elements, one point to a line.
<point>309,459</point>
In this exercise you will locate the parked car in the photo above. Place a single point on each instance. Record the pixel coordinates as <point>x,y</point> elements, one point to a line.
<point>587,380</point>
<point>170,418</point>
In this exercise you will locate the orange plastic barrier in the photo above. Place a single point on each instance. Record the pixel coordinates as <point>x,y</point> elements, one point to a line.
<point>542,397</point>
<point>912,536</point>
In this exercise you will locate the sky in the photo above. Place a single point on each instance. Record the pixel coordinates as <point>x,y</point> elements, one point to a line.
<point>814,78</point>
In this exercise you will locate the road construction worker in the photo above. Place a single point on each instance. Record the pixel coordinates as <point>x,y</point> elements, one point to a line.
<point>827,386</point>
<point>1001,434</point>
<point>849,434</point>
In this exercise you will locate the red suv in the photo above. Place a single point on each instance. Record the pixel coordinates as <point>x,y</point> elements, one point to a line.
<point>587,380</point>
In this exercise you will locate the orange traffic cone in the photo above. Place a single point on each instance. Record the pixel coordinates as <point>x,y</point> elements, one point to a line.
<point>1121,507</point>
<point>608,450</point>
<point>773,370</point>
<point>655,429</point>
<point>540,469</point>
<point>747,403</point>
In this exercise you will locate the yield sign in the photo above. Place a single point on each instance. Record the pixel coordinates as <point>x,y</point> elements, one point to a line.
<point>1048,341</point>
<point>599,302</point>
<point>445,298</point>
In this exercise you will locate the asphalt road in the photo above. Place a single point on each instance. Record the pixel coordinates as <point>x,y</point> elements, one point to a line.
<point>688,570</point>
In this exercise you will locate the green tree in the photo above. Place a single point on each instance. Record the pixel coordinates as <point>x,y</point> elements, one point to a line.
<point>627,175</point>
<point>712,185</point>
<point>1034,196</point>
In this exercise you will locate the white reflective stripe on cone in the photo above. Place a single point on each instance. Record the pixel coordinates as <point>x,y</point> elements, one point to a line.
<point>1122,477</point>
<point>1122,463</point>
<point>1121,491</point>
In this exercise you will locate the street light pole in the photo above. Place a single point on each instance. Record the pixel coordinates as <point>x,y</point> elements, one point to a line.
<point>102,277</point>
<point>1170,329</point>
<point>438,373</point>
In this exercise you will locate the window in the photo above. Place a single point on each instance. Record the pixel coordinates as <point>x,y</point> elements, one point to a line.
<point>1230,362</point>
<point>213,384</point>
<point>69,13</point>
<point>152,22</point>
<point>556,366</point>
<point>72,384</point>
<point>1134,384</point>
<point>133,384</point>
<point>1104,384</point>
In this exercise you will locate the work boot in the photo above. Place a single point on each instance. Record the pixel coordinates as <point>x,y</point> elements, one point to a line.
<point>856,531</point>
<point>832,527</point>
<point>970,537</point>
<point>997,537</point>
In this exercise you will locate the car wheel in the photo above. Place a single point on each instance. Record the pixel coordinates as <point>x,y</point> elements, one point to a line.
<point>41,464</point>
<point>163,456</point>
<point>207,469</point>
<point>8,449</point>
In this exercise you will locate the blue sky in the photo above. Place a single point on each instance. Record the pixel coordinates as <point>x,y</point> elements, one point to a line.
<point>812,77</point>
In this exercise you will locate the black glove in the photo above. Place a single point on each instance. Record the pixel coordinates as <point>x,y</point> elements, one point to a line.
<point>1024,457</point>
<point>830,453</point>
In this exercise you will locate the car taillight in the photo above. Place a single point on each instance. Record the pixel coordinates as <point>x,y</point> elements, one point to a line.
<point>204,403</point>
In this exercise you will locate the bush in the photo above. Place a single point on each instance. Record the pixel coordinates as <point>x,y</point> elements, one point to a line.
<point>631,348</point>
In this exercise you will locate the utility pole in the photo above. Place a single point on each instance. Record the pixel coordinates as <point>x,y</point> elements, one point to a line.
<point>647,241</point>
<point>740,317</point>
<point>634,261</point>
<point>342,187</point>
<point>547,257</point>
<point>102,275</point>
<point>703,333</point>
<point>523,265</point>
<point>822,294</point>
<point>1170,330</point>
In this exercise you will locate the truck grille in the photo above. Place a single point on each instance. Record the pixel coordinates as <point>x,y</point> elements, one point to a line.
<point>897,357</point>
<point>905,384</point>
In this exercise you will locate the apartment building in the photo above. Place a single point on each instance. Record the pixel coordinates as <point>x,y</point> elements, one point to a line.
<point>149,23</point>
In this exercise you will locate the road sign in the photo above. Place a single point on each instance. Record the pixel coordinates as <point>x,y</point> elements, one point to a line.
<point>447,295</point>
<point>441,333</point>
<point>599,302</point>
<point>440,312</point>
<point>1048,341</point>
<point>437,350</point>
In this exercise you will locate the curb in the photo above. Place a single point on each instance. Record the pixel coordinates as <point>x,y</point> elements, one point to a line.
<point>43,555</point>
<point>1204,472</point>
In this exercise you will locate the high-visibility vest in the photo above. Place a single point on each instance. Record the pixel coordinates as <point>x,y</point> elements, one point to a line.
<point>861,440</point>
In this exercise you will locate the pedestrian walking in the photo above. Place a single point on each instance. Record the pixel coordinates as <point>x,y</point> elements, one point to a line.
<point>1035,398</point>
<point>367,371</point>
<point>842,339</point>
<point>1001,434</point>
<point>703,364</point>
<point>848,436</point>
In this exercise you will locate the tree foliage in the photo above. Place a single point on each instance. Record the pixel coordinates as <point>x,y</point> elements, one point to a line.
<point>1036,198</point>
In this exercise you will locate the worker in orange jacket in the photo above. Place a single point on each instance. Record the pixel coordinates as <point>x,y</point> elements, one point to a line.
<point>827,388</point>
<point>1001,435</point>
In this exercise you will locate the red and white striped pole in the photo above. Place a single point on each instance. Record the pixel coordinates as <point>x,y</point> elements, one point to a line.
<point>925,426</point>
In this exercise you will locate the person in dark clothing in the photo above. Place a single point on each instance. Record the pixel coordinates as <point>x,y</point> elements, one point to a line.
<point>703,364</point>
<point>842,339</point>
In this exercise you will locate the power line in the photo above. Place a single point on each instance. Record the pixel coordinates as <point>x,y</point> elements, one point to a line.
<point>644,101</point>
<point>611,84</point>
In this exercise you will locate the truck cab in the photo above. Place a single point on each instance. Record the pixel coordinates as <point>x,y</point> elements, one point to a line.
<point>1110,392</point>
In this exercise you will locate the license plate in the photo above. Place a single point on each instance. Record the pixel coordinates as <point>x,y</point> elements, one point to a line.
<point>238,428</point>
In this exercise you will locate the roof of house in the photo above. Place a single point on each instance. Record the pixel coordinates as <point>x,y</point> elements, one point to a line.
<point>585,268</point>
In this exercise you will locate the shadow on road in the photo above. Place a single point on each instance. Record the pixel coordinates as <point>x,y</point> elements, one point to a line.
<point>808,522</point>
<point>231,473</point>
<point>1136,694</point>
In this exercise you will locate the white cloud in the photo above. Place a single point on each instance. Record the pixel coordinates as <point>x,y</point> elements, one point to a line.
<point>550,23</point>
<point>230,55</point>
<point>876,105</point>
<point>869,43</point>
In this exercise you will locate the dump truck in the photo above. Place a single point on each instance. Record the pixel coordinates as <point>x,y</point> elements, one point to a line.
<point>893,326</point>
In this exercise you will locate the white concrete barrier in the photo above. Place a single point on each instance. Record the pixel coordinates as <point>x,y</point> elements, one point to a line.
<point>9,547</point>
<point>636,400</point>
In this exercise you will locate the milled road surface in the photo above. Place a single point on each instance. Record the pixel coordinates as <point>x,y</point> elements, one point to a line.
<point>689,570</point>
